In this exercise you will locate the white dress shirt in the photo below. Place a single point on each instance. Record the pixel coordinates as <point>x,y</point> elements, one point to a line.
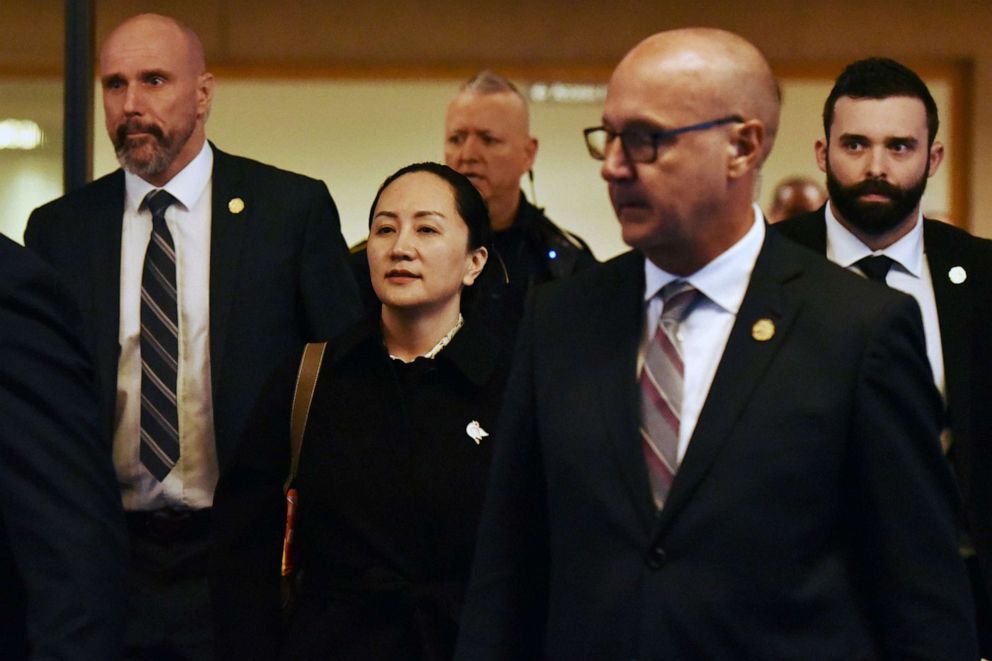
<point>910,273</point>
<point>191,483</point>
<point>704,331</point>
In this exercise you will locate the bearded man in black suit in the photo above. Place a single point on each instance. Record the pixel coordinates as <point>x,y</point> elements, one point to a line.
<point>707,451</point>
<point>197,273</point>
<point>880,146</point>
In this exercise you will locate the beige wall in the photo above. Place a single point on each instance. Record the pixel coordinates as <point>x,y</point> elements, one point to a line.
<point>580,39</point>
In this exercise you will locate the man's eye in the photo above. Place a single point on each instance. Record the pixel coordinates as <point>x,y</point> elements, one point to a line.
<point>635,139</point>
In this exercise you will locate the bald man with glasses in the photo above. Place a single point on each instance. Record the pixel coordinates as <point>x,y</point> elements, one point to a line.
<point>707,450</point>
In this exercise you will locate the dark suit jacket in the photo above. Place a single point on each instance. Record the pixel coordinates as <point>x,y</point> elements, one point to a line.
<point>278,277</point>
<point>811,517</point>
<point>62,545</point>
<point>965,317</point>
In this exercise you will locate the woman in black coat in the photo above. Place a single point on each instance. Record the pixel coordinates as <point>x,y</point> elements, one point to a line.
<point>394,461</point>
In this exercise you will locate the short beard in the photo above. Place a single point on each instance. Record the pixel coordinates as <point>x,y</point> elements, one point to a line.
<point>164,148</point>
<point>874,218</point>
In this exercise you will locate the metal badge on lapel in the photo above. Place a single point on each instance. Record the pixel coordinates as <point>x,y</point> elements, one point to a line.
<point>236,205</point>
<point>957,275</point>
<point>476,432</point>
<point>763,330</point>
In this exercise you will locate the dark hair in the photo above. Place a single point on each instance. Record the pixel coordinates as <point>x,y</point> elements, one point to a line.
<point>469,203</point>
<point>880,78</point>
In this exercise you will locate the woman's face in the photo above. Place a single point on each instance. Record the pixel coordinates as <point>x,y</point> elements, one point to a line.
<point>418,246</point>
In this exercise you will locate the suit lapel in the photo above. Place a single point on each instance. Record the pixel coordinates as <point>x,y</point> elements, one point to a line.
<point>809,230</point>
<point>743,365</point>
<point>954,307</point>
<point>228,221</point>
<point>613,338</point>
<point>103,235</point>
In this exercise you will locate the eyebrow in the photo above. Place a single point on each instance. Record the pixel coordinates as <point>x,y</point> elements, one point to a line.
<point>417,214</point>
<point>887,139</point>
<point>142,75</point>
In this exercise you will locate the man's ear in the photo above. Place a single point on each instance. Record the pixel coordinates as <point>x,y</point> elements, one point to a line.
<point>936,158</point>
<point>531,150</point>
<point>820,147</point>
<point>746,151</point>
<point>204,94</point>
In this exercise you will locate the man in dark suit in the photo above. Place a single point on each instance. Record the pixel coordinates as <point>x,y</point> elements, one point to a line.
<point>879,148</point>
<point>62,544</point>
<point>744,467</point>
<point>192,297</point>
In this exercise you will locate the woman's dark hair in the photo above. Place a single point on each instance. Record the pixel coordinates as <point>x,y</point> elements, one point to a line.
<point>469,203</point>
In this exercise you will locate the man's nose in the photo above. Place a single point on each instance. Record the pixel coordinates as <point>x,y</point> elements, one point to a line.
<point>616,164</point>
<point>133,101</point>
<point>878,162</point>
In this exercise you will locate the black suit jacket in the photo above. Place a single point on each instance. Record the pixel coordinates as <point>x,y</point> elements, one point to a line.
<point>390,488</point>
<point>964,310</point>
<point>278,276</point>
<point>62,546</point>
<point>811,517</point>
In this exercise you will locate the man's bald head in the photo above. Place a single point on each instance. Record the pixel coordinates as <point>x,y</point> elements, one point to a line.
<point>724,73</point>
<point>132,30</point>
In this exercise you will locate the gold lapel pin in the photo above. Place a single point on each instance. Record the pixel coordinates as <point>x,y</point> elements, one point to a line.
<point>763,330</point>
<point>236,205</point>
<point>957,275</point>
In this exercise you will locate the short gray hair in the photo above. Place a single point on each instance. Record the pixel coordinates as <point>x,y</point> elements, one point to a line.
<point>487,82</point>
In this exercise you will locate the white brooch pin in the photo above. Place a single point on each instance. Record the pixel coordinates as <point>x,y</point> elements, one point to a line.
<point>957,275</point>
<point>476,432</point>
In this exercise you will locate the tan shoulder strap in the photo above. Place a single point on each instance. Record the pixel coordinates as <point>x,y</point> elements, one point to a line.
<point>306,382</point>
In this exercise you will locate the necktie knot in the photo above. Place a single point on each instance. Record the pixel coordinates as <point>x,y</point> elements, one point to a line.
<point>875,267</point>
<point>157,201</point>
<point>677,298</point>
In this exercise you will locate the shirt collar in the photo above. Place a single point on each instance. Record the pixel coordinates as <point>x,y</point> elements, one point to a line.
<point>442,343</point>
<point>187,186</point>
<point>725,279</point>
<point>844,248</point>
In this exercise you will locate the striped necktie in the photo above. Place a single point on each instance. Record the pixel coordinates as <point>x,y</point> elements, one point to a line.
<point>159,344</point>
<point>661,390</point>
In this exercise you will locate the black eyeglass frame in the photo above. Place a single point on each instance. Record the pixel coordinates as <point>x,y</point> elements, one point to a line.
<point>656,138</point>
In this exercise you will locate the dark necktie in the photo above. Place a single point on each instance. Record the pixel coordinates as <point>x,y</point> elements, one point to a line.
<point>661,390</point>
<point>875,267</point>
<point>159,344</point>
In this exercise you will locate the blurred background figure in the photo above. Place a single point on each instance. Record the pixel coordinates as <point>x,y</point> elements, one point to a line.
<point>63,551</point>
<point>394,461</point>
<point>487,138</point>
<point>794,196</point>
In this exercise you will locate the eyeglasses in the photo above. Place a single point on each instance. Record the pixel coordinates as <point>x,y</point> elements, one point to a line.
<point>642,146</point>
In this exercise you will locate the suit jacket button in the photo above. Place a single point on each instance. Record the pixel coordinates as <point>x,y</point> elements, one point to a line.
<point>656,557</point>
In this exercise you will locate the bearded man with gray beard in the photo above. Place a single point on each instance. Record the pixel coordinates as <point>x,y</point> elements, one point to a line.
<point>197,272</point>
